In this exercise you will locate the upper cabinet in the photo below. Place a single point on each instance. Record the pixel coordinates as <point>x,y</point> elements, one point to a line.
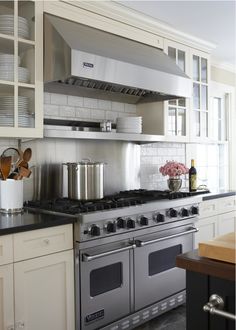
<point>200,105</point>
<point>177,111</point>
<point>21,68</point>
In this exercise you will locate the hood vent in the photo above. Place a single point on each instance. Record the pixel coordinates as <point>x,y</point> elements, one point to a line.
<point>80,60</point>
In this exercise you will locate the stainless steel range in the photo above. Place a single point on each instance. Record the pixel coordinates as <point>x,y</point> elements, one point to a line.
<point>125,250</point>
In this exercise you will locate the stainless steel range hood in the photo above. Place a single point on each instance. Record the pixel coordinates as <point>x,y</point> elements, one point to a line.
<point>80,60</point>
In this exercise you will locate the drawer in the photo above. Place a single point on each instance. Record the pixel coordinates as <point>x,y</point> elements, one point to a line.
<point>208,208</point>
<point>41,242</point>
<point>227,204</point>
<point>6,249</point>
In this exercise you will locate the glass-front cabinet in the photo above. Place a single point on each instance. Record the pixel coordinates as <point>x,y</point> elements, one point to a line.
<point>21,68</point>
<point>199,119</point>
<point>177,111</point>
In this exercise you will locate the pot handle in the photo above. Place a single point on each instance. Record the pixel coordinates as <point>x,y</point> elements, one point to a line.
<point>86,160</point>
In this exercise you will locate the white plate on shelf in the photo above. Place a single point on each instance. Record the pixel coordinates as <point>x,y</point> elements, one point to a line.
<point>8,74</point>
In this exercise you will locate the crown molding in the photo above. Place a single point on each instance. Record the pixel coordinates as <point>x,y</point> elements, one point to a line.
<point>119,12</point>
<point>223,65</point>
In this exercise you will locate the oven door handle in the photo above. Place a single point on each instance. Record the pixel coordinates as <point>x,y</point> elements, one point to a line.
<point>86,257</point>
<point>189,231</point>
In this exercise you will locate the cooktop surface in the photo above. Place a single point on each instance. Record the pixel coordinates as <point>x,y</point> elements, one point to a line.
<point>121,199</point>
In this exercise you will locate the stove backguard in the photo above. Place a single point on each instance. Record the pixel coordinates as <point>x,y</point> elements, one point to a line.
<point>49,177</point>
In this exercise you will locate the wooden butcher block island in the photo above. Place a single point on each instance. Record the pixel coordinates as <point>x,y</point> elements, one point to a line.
<point>221,248</point>
<point>210,271</point>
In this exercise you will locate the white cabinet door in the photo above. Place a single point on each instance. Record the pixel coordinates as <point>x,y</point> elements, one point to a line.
<point>226,223</point>
<point>207,230</point>
<point>199,115</point>
<point>177,111</point>
<point>6,298</point>
<point>44,292</point>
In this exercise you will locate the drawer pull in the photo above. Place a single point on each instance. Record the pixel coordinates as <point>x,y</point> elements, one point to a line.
<point>46,241</point>
<point>215,306</point>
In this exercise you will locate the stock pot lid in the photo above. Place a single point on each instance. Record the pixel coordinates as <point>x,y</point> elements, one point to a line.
<point>85,162</point>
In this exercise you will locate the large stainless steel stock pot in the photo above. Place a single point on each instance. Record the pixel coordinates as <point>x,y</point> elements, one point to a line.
<point>85,180</point>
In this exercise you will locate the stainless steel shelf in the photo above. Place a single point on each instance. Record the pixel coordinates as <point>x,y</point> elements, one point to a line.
<point>68,133</point>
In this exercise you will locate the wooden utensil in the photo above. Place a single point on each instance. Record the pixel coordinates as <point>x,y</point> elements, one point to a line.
<point>27,154</point>
<point>5,165</point>
<point>24,172</point>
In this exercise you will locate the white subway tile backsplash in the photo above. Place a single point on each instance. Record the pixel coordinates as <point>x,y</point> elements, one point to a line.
<point>97,114</point>
<point>118,106</point>
<point>66,111</point>
<point>51,110</point>
<point>155,155</point>
<point>90,103</point>
<point>75,101</point>
<point>104,105</point>
<point>111,115</point>
<point>82,113</point>
<point>131,108</point>
<point>58,99</point>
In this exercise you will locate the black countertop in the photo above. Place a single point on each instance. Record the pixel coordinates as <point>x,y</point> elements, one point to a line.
<point>218,194</point>
<point>28,220</point>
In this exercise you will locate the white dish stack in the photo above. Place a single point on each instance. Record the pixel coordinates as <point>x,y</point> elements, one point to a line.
<point>7,111</point>
<point>7,26</point>
<point>129,125</point>
<point>7,69</point>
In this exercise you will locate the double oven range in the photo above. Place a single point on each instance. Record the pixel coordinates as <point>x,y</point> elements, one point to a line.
<point>125,250</point>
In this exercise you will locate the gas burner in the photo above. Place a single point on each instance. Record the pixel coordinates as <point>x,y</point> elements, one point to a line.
<point>122,199</point>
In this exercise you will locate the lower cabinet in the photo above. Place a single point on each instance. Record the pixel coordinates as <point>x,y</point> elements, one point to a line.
<point>226,223</point>
<point>6,298</point>
<point>207,230</point>
<point>218,217</point>
<point>37,293</point>
<point>44,292</point>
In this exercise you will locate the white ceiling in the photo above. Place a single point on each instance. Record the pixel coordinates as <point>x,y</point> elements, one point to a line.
<point>213,21</point>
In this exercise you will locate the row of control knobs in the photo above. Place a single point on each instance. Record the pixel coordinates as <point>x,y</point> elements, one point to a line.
<point>111,227</point>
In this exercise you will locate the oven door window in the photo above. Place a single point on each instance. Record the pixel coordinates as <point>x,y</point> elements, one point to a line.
<point>105,279</point>
<point>162,260</point>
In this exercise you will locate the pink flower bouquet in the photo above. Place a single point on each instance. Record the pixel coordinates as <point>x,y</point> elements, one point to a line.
<point>173,169</point>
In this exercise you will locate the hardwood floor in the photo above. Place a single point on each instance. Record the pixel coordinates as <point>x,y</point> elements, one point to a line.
<point>173,320</point>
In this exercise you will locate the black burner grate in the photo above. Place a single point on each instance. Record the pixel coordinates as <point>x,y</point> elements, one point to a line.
<point>122,199</point>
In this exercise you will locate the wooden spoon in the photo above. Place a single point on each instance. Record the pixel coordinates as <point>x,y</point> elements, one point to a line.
<point>5,165</point>
<point>27,154</point>
<point>24,172</point>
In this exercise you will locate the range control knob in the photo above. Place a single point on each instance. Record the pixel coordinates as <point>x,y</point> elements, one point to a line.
<point>111,227</point>
<point>143,221</point>
<point>194,210</point>
<point>172,213</point>
<point>184,212</point>
<point>94,230</point>
<point>130,223</point>
<point>159,217</point>
<point>120,223</point>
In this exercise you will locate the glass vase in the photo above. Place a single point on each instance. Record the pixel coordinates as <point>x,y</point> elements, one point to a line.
<point>174,184</point>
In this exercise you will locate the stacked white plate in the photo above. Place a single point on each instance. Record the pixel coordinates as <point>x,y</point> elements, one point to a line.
<point>7,73</point>
<point>8,59</point>
<point>7,111</point>
<point>7,69</point>
<point>7,26</point>
<point>129,125</point>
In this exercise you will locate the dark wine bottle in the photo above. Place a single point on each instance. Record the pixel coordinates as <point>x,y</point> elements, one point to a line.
<point>192,177</point>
